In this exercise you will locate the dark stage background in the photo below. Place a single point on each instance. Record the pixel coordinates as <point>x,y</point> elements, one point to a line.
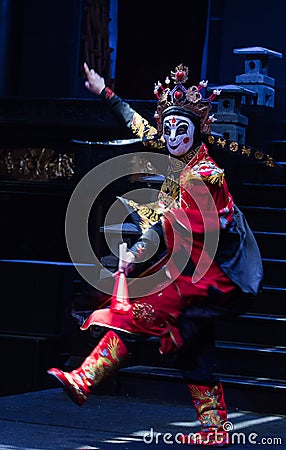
<point>44,104</point>
<point>42,55</point>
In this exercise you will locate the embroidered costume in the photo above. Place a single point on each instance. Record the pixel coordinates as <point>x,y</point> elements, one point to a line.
<point>194,204</point>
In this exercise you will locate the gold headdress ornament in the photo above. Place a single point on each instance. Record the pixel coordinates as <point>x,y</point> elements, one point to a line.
<point>184,101</point>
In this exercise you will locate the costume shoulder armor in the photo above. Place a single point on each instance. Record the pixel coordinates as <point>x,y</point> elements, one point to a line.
<point>145,131</point>
<point>205,170</point>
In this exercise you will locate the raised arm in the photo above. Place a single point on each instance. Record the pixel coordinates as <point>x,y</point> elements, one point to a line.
<point>139,126</point>
<point>94,83</point>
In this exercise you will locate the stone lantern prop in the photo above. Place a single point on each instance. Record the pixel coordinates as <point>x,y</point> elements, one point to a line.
<point>256,75</point>
<point>229,121</point>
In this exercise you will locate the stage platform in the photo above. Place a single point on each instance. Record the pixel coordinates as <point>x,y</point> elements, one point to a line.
<point>48,420</point>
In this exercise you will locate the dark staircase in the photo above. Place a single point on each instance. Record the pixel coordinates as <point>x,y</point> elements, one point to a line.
<point>250,349</point>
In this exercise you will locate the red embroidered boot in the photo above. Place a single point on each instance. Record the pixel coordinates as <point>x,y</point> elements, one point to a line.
<point>102,361</point>
<point>211,412</point>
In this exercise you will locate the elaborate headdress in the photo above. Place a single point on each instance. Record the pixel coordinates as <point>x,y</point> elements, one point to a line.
<point>179,100</point>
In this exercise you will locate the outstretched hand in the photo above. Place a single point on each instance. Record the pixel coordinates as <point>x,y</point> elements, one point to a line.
<point>126,259</point>
<point>94,83</point>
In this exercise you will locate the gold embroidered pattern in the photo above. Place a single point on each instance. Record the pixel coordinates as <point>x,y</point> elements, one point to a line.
<point>206,171</point>
<point>171,188</point>
<point>205,401</point>
<point>154,143</point>
<point>206,405</point>
<point>211,139</point>
<point>233,146</point>
<point>193,95</point>
<point>144,312</point>
<point>97,368</point>
<point>141,127</point>
<point>246,151</point>
<point>221,142</point>
<point>166,202</point>
<point>148,213</point>
<point>186,159</point>
<point>211,419</point>
<point>40,164</point>
<point>258,155</point>
<point>176,166</point>
<point>269,162</point>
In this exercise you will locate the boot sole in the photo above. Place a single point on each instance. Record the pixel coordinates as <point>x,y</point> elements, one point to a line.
<point>68,390</point>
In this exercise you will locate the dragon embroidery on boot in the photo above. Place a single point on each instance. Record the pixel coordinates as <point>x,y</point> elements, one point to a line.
<point>206,402</point>
<point>105,363</point>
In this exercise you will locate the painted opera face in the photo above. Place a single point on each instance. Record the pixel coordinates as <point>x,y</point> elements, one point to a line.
<point>178,132</point>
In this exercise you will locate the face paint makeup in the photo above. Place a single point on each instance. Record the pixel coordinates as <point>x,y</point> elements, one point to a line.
<point>179,134</point>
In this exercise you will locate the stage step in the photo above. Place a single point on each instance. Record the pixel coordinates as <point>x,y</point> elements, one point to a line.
<point>265,218</point>
<point>271,299</point>
<point>261,194</point>
<point>274,272</point>
<point>272,245</point>
<point>261,329</point>
<point>26,360</point>
<point>254,360</point>
<point>244,393</point>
